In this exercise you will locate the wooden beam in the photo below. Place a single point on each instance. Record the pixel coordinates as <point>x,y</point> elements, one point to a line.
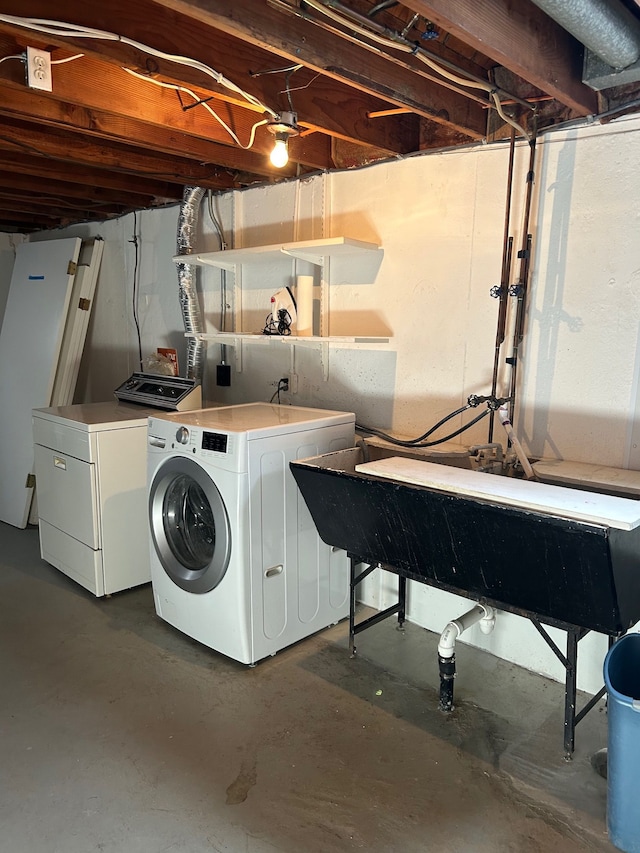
<point>34,222</point>
<point>192,27</point>
<point>47,209</point>
<point>335,109</point>
<point>295,37</point>
<point>89,178</point>
<point>96,85</point>
<point>316,96</point>
<point>78,148</point>
<point>85,195</point>
<point>11,194</point>
<point>521,37</point>
<point>161,137</point>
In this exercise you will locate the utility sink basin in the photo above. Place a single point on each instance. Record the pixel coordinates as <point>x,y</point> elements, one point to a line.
<point>583,573</point>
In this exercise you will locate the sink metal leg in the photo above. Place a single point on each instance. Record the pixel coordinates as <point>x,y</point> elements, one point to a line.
<point>357,578</point>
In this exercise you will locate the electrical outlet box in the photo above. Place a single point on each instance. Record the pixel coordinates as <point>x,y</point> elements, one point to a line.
<point>39,69</point>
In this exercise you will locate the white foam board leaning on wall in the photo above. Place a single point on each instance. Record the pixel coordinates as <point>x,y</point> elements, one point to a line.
<point>30,341</point>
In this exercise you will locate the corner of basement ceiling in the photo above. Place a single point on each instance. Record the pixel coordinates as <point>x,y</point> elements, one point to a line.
<point>348,155</point>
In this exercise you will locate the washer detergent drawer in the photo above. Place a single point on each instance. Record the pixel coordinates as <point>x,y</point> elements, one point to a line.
<point>67,495</point>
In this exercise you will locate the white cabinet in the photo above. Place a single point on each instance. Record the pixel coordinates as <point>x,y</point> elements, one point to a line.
<point>91,475</point>
<point>313,251</point>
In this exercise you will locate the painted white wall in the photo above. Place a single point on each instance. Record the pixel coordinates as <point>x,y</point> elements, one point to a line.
<point>111,348</point>
<point>439,219</point>
<point>582,351</point>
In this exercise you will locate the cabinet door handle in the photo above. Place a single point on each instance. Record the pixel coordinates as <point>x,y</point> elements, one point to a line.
<point>59,462</point>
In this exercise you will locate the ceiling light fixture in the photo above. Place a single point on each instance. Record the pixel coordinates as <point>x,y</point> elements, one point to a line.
<point>283,127</point>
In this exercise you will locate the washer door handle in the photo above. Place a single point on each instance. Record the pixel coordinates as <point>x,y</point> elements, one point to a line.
<point>273,571</point>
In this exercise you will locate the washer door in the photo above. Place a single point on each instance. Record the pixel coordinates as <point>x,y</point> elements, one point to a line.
<point>189,525</point>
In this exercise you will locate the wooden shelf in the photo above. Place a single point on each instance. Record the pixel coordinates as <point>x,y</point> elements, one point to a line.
<point>239,339</point>
<point>344,341</point>
<point>314,251</point>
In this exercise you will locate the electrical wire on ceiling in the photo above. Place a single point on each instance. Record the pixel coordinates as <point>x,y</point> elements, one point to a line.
<point>398,42</point>
<point>288,70</point>
<point>21,56</point>
<point>67,59</point>
<point>62,29</point>
<point>200,102</point>
<point>285,125</point>
<point>288,85</point>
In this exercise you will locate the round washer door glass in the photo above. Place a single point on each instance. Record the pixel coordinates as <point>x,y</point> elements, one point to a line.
<point>189,525</point>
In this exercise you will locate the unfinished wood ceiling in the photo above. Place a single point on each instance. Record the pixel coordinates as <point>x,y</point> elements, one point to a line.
<point>358,75</point>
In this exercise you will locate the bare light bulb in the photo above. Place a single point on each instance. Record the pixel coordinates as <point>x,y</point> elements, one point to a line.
<point>280,153</point>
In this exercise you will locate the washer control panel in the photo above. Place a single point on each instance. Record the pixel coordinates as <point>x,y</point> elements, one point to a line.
<point>225,451</point>
<point>215,441</point>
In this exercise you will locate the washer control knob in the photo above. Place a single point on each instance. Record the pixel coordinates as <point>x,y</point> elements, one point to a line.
<point>182,435</point>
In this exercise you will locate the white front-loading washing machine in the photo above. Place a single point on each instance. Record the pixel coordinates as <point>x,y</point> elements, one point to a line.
<point>236,561</point>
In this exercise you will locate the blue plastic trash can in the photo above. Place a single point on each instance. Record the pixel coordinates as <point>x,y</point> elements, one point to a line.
<point>622,677</point>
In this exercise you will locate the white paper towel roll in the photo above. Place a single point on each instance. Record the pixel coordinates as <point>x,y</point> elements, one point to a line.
<point>304,305</point>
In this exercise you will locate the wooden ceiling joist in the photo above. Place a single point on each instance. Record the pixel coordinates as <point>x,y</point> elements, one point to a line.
<point>52,208</point>
<point>321,102</point>
<point>295,39</point>
<point>520,37</point>
<point>92,179</point>
<point>47,110</point>
<point>196,28</point>
<point>82,193</point>
<point>104,142</point>
<point>69,147</point>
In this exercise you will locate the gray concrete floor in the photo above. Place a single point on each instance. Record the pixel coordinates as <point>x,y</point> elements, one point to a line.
<point>120,734</point>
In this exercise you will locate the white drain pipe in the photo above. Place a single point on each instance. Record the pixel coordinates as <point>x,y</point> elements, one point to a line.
<point>481,613</point>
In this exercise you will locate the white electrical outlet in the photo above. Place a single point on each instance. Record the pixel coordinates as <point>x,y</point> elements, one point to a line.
<point>39,69</point>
